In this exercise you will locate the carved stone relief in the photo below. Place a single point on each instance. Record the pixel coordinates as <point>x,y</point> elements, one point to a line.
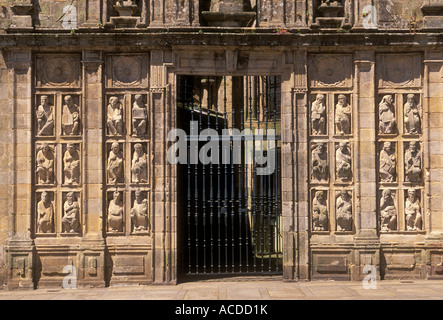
<point>114,117</point>
<point>139,116</point>
<point>343,211</point>
<point>115,164</point>
<point>71,165</point>
<point>388,211</point>
<point>388,163</point>
<point>45,117</point>
<point>115,212</point>
<point>318,115</point>
<point>395,70</point>
<point>343,162</point>
<point>45,213</point>
<point>126,70</point>
<point>71,213</point>
<point>413,213</point>
<point>139,167</point>
<point>45,164</point>
<point>331,70</point>
<point>58,71</point>
<point>413,162</point>
<point>319,158</point>
<point>386,111</point>
<point>342,115</point>
<point>320,215</point>
<point>412,115</point>
<point>140,212</point>
<point>70,116</point>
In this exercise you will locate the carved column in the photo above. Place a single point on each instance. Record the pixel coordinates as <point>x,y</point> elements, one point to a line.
<point>18,185</point>
<point>91,270</point>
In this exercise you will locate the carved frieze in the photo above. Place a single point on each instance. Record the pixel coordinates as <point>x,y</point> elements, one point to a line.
<point>343,164</point>
<point>58,70</point>
<point>343,210</point>
<point>71,213</point>
<point>320,212</point>
<point>45,212</point>
<point>388,210</point>
<point>140,218</point>
<point>71,164</point>
<point>330,71</point>
<point>115,211</point>
<point>319,162</point>
<point>126,71</point>
<point>45,164</point>
<point>115,166</point>
<point>399,70</point>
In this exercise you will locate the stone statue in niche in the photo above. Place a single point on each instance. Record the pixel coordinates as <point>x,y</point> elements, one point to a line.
<point>413,211</point>
<point>115,164</point>
<point>70,117</point>
<point>45,117</point>
<point>139,167</point>
<point>412,116</point>
<point>71,211</point>
<point>45,214</point>
<point>413,171</point>
<point>71,165</point>
<point>139,213</point>
<point>114,118</point>
<point>343,116</point>
<point>318,115</point>
<point>343,162</point>
<point>320,170</point>
<point>344,211</point>
<point>388,211</point>
<point>320,212</point>
<point>115,213</point>
<point>45,164</point>
<point>388,163</point>
<point>139,116</point>
<point>387,123</point>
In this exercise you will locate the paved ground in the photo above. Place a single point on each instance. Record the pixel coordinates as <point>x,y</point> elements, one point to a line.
<point>243,290</point>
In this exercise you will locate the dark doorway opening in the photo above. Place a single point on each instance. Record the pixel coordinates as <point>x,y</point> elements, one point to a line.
<point>229,199</point>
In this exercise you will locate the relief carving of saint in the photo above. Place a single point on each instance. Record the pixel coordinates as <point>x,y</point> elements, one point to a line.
<point>343,116</point>
<point>45,214</point>
<point>412,116</point>
<point>45,117</point>
<point>387,123</point>
<point>320,170</point>
<point>388,211</point>
<point>139,116</point>
<point>71,165</point>
<point>45,165</point>
<point>413,211</point>
<point>115,213</point>
<point>114,118</point>
<point>344,211</point>
<point>70,117</point>
<point>71,210</point>
<point>320,212</point>
<point>139,167</point>
<point>343,162</point>
<point>413,171</point>
<point>115,164</point>
<point>318,115</point>
<point>139,213</point>
<point>388,163</point>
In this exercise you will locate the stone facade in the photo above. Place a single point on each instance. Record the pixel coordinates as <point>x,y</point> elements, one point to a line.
<point>88,94</point>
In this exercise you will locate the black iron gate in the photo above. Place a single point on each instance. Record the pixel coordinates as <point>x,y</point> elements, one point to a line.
<point>230,196</point>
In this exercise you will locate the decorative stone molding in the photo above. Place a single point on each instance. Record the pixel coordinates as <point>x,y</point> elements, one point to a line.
<point>58,70</point>
<point>22,10</point>
<point>331,71</point>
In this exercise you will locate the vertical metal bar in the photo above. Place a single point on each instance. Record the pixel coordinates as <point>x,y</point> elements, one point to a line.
<point>197,199</point>
<point>240,185</point>
<point>218,191</point>
<point>261,184</point>
<point>211,195</point>
<point>225,195</point>
<point>249,88</point>
<point>268,178</point>
<point>204,201</point>
<point>189,203</point>
<point>232,200</point>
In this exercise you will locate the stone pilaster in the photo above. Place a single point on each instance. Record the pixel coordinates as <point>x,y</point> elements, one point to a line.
<point>91,268</point>
<point>18,185</point>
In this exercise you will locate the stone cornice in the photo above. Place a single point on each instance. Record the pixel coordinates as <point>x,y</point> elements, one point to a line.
<point>246,39</point>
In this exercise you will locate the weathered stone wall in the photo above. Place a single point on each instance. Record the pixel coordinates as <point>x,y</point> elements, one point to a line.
<point>103,53</point>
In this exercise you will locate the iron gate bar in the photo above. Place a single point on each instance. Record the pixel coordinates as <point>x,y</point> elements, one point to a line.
<point>246,224</point>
